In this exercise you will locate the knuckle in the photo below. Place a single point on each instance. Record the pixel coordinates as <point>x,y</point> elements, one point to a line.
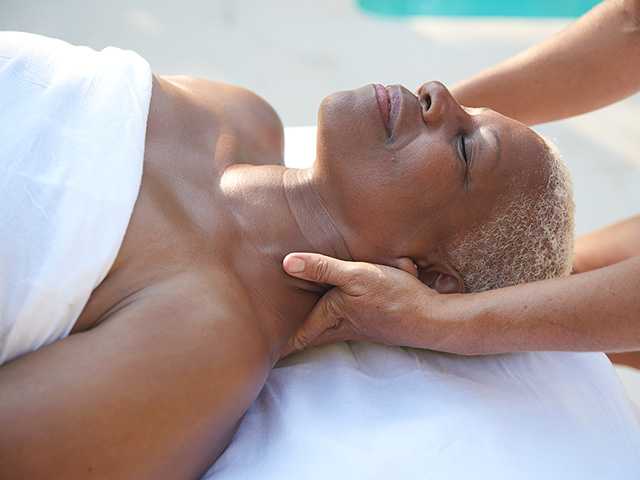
<point>365,279</point>
<point>300,341</point>
<point>322,270</point>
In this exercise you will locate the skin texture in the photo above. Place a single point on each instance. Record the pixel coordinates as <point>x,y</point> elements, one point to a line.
<point>597,309</point>
<point>609,245</point>
<point>177,341</point>
<point>584,67</point>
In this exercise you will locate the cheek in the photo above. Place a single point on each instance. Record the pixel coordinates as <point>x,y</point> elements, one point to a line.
<point>384,195</point>
<point>430,173</point>
<point>410,189</point>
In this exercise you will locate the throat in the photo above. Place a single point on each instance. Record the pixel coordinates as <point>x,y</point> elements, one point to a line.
<point>313,219</point>
<point>278,211</point>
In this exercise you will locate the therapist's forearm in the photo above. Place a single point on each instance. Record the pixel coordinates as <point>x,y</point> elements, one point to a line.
<point>609,245</point>
<point>592,63</point>
<point>593,311</point>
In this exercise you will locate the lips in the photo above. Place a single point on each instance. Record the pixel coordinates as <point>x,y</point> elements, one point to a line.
<point>389,101</point>
<point>384,105</point>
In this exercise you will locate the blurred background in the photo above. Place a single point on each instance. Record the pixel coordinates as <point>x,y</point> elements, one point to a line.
<point>294,52</point>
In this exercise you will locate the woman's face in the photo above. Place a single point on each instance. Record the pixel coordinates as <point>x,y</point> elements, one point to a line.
<point>404,173</point>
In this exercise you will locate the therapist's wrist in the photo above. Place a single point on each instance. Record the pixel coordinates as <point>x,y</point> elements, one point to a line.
<point>494,322</point>
<point>450,323</point>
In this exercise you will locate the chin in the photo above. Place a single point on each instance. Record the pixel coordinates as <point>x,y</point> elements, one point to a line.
<point>349,121</point>
<point>335,109</point>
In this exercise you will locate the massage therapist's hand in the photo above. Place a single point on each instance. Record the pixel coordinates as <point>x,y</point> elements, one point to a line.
<point>368,302</point>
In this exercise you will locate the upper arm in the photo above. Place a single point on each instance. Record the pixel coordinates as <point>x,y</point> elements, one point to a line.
<point>154,392</point>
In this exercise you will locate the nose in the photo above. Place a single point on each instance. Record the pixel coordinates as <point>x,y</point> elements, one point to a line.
<point>438,105</point>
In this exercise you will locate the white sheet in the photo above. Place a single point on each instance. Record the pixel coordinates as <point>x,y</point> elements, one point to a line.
<point>368,411</point>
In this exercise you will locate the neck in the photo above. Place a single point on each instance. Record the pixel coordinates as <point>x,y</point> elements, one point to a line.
<point>315,226</point>
<point>278,211</point>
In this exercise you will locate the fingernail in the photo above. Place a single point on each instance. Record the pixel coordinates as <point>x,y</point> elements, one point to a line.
<point>294,265</point>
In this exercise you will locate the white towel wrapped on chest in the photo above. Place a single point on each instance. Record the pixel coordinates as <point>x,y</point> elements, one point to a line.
<point>72,133</point>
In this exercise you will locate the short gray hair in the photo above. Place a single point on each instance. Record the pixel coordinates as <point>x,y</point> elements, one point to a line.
<point>528,239</point>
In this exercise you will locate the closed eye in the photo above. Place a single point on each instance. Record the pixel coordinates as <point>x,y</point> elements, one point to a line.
<point>462,147</point>
<point>465,156</point>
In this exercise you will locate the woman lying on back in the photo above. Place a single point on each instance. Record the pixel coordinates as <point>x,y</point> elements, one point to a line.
<point>147,374</point>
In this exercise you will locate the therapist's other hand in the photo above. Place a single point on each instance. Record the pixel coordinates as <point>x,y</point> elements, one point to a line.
<point>368,302</point>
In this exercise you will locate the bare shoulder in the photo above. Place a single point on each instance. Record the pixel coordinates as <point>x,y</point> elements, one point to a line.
<point>160,386</point>
<point>251,117</point>
<point>194,302</point>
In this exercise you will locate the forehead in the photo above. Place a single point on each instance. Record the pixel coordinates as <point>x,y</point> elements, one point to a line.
<point>523,156</point>
<point>485,118</point>
<point>517,173</point>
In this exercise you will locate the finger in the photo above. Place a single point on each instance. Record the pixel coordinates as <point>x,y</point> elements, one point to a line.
<point>287,350</point>
<point>320,268</point>
<point>340,333</point>
<point>326,315</point>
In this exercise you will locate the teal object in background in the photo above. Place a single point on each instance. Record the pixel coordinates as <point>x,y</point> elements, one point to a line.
<point>483,8</point>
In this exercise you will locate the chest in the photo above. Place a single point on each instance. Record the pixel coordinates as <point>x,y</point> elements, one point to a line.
<point>176,224</point>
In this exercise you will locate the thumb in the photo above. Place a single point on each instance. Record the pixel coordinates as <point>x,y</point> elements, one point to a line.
<point>320,268</point>
<point>324,320</point>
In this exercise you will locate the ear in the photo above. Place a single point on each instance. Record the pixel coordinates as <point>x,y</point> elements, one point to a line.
<point>406,264</point>
<point>442,278</point>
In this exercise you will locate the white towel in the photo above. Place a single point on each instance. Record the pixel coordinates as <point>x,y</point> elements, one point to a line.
<point>72,132</point>
<point>373,412</point>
